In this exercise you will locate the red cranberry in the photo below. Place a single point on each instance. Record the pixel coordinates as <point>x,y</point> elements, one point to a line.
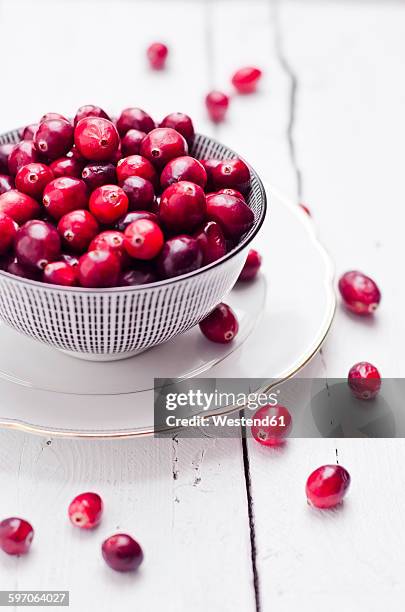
<point>327,486</point>
<point>19,206</point>
<point>212,242</point>
<point>89,110</point>
<point>209,165</point>
<point>364,380</point>
<point>33,178</point>
<point>217,104</point>
<point>29,131</point>
<point>140,192</point>
<point>163,144</point>
<point>221,325</point>
<point>157,54</point>
<point>181,123</point>
<point>108,203</point>
<point>77,229</point>
<point>85,510</point>
<point>98,269</point>
<point>54,138</point>
<point>136,165</point>
<point>143,239</point>
<point>15,536</point>
<point>122,553</point>
<point>111,240</point>
<point>183,169</point>
<point>245,80</point>
<point>274,423</point>
<point>233,215</point>
<point>16,268</point>
<point>131,142</point>
<point>66,166</point>
<point>6,183</point>
<point>134,215</point>
<point>141,275</point>
<point>96,138</point>
<point>36,244</point>
<point>305,209</point>
<point>359,292</point>
<point>60,273</point>
<point>5,150</point>
<point>251,267</point>
<point>134,118</point>
<point>232,173</point>
<point>56,116</point>
<point>98,174</point>
<point>182,207</point>
<point>72,260</point>
<point>232,192</point>
<point>8,230</point>
<point>179,255</point>
<point>22,154</point>
<point>63,195</point>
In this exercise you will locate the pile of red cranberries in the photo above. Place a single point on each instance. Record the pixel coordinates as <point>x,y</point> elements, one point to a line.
<point>98,202</point>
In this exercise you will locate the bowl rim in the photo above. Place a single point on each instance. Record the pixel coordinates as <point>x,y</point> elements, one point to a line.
<point>164,282</point>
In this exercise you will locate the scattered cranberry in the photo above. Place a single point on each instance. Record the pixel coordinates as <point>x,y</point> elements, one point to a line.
<point>359,292</point>
<point>136,165</point>
<point>251,267</point>
<point>5,150</point>
<point>364,380</point>
<point>108,203</point>
<point>232,173</point>
<point>182,207</point>
<point>29,131</point>
<point>163,144</point>
<point>327,486</point>
<point>183,169</point>
<point>15,536</point>
<point>305,209</point>
<point>19,206</point>
<point>66,166</point>
<point>131,142</point>
<point>98,269</point>
<point>22,154</point>
<point>182,123</point>
<point>157,55</point>
<point>134,118</point>
<point>8,230</point>
<point>217,105</point>
<point>98,174</point>
<point>275,425</point>
<point>64,194</point>
<point>233,215</point>
<point>77,229</point>
<point>232,192</point>
<point>85,510</point>
<point>89,110</point>
<point>179,255</point>
<point>53,116</point>
<point>245,80</point>
<point>122,553</point>
<point>134,215</point>
<point>6,183</point>
<point>141,275</point>
<point>113,241</point>
<point>54,138</point>
<point>60,273</point>
<point>221,325</point>
<point>212,242</point>
<point>36,244</point>
<point>140,192</point>
<point>33,178</point>
<point>96,138</point>
<point>143,239</point>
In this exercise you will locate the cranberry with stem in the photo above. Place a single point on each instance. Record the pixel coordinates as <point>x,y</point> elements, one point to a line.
<point>359,292</point>
<point>143,239</point>
<point>89,110</point>
<point>212,242</point>
<point>182,123</point>
<point>134,118</point>
<point>66,166</point>
<point>157,55</point>
<point>98,174</point>
<point>64,194</point>
<point>36,244</point>
<point>131,142</point>
<point>77,229</point>
<point>364,380</point>
<point>180,255</point>
<point>85,510</point>
<point>108,203</point>
<point>8,231</point>
<point>33,178</point>
<point>140,192</point>
<point>19,206</point>
<point>96,139</point>
<point>98,269</point>
<point>233,215</point>
<point>183,168</point>
<point>221,325</point>
<point>245,80</point>
<point>232,173</point>
<point>122,553</point>
<point>6,183</point>
<point>217,104</point>
<point>273,424</point>
<point>16,536</point>
<point>182,207</point>
<point>163,144</point>
<point>327,486</point>
<point>22,154</point>
<point>60,273</point>
<point>54,138</point>
<point>136,165</point>
<point>251,267</point>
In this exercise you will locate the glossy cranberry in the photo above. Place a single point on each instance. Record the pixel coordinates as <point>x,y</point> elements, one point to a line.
<point>140,192</point>
<point>157,54</point>
<point>29,131</point>
<point>179,255</point>
<point>66,166</point>
<point>163,144</point>
<point>36,244</point>
<point>232,173</point>
<point>272,425</point>
<point>33,178</point>
<point>85,510</point>
<point>22,154</point>
<point>181,123</point>
<point>6,183</point>
<point>209,165</point>
<point>364,380</point>
<point>15,536</point>
<point>134,215</point>
<point>221,325</point>
<point>77,229</point>
<point>60,273</point>
<point>16,268</point>
<point>245,80</point>
<point>70,259</point>
<point>96,139</point>
<point>305,209</point>
<point>251,267</point>
<point>111,240</point>
<point>143,274</point>
<point>51,116</point>
<point>19,206</point>
<point>327,486</point>
<point>143,239</point>
<point>131,142</point>
<point>359,292</point>
<point>232,192</point>
<point>136,165</point>
<point>54,138</point>
<point>182,207</point>
<point>63,195</point>
<point>8,230</point>
<point>217,104</point>
<point>5,150</point>
<point>108,203</point>
<point>212,242</point>
<point>122,553</point>
<point>98,174</point>
<point>136,119</point>
<point>98,269</point>
<point>233,215</point>
<point>183,168</point>
<point>89,110</point>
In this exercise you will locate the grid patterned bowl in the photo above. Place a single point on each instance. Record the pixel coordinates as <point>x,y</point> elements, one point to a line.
<point>108,324</point>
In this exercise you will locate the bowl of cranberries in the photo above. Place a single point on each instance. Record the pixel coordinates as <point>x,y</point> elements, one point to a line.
<point>117,234</point>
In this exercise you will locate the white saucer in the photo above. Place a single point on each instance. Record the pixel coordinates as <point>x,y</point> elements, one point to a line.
<point>284,317</point>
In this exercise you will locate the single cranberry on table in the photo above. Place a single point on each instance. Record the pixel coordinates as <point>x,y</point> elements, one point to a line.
<point>183,168</point>
<point>163,144</point>
<point>22,154</point>
<point>217,104</point>
<point>5,150</point>
<point>327,486</point>
<point>359,292</point>
<point>111,240</point>
<point>233,215</point>
<point>36,244</point>
<point>60,273</point>
<point>221,325</point>
<point>134,215</point>
<point>134,118</point>
<point>182,207</point>
<point>33,178</point>
<point>54,138</point>
<point>77,229</point>
<point>180,255</point>
<point>85,510</point>
<point>122,553</point>
<point>99,269</point>
<point>273,424</point>
<point>66,166</point>
<point>232,173</point>
<point>131,142</point>
<point>108,203</point>
<point>251,267</point>
<point>64,194</point>
<point>211,239</point>
<point>157,55</point>
<point>6,183</point>
<point>99,173</point>
<point>19,206</point>
<point>142,274</point>
<point>96,139</point>
<point>89,110</point>
<point>364,380</point>
<point>136,165</point>
<point>245,80</point>
<point>140,193</point>
<point>8,231</point>
<point>182,123</point>
<point>143,239</point>
<point>16,536</point>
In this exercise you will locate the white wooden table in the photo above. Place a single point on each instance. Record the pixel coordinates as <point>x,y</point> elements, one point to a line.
<point>225,526</point>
